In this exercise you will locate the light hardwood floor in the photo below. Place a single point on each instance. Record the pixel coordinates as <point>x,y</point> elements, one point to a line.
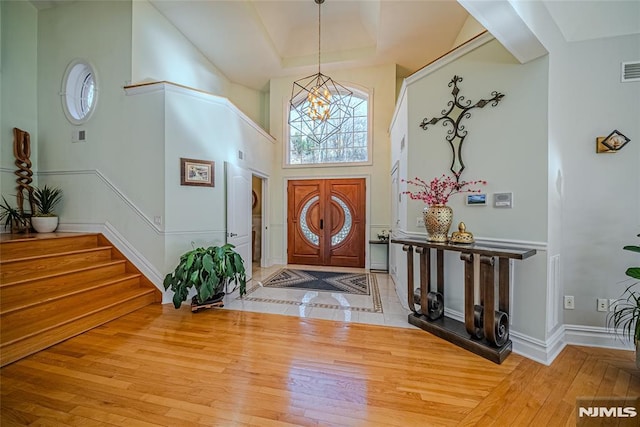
<point>161,366</point>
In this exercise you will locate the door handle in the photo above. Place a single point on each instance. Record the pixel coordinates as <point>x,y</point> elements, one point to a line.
<point>321,224</point>
<point>232,234</point>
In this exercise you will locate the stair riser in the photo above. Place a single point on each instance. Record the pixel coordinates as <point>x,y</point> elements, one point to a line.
<point>34,247</point>
<point>38,290</point>
<point>28,320</point>
<point>27,269</point>
<point>22,348</point>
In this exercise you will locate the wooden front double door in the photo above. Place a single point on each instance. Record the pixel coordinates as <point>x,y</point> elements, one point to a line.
<point>326,222</point>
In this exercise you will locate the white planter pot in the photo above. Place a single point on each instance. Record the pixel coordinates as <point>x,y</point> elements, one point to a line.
<point>44,224</point>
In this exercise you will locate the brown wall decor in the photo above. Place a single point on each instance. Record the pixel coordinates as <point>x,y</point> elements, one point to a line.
<point>611,143</point>
<point>22,152</point>
<point>457,110</point>
<point>199,173</point>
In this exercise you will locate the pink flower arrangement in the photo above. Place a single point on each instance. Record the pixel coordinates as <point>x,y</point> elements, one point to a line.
<point>438,191</point>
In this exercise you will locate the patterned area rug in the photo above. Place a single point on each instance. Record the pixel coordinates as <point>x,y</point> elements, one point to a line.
<point>329,281</point>
<point>326,290</point>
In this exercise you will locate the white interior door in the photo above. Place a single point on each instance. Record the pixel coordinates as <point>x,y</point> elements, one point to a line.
<point>239,212</point>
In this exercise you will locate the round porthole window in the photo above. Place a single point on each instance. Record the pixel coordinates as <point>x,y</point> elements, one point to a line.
<point>79,91</point>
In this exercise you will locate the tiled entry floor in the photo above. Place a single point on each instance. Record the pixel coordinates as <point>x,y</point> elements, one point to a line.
<point>380,308</point>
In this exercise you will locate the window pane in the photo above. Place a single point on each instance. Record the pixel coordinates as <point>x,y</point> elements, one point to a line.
<point>349,144</point>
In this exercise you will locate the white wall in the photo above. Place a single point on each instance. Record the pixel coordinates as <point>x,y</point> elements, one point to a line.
<point>79,30</point>
<point>115,177</point>
<point>399,131</point>
<point>381,81</point>
<point>125,179</point>
<point>202,126</point>
<point>595,210</point>
<point>505,145</point>
<point>18,87</point>
<point>469,30</point>
<point>160,52</point>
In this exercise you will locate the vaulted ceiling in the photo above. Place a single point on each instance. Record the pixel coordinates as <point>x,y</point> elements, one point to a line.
<point>251,41</point>
<point>278,38</point>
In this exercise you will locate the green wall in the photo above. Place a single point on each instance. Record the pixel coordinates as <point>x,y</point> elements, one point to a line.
<point>18,85</point>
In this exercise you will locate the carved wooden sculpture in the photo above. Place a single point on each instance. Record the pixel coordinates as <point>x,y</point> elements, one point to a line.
<point>22,152</point>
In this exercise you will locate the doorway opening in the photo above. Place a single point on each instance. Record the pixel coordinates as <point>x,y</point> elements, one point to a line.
<point>257,221</point>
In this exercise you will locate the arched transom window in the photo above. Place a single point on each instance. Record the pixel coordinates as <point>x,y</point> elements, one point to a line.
<point>349,146</point>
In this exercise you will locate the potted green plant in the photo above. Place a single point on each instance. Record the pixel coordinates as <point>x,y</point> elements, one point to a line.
<point>208,271</point>
<point>13,219</point>
<point>45,199</point>
<point>626,312</point>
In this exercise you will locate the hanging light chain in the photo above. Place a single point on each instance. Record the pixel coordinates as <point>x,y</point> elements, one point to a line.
<point>319,32</point>
<point>319,98</point>
<point>319,106</point>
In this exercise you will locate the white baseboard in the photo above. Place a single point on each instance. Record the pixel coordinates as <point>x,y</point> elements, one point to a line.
<point>593,336</point>
<point>541,351</point>
<point>124,247</point>
<point>381,266</point>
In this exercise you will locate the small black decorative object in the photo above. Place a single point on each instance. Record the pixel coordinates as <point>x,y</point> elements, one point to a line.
<point>612,143</point>
<point>457,110</point>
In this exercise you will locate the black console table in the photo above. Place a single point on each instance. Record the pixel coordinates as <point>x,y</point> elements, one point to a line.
<point>381,242</point>
<point>485,330</point>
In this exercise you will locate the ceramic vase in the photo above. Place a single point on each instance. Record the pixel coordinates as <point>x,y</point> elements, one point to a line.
<point>437,220</point>
<point>44,224</point>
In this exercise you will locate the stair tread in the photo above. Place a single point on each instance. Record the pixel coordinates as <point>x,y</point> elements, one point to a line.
<point>43,339</point>
<point>45,265</point>
<point>54,255</point>
<point>26,331</point>
<point>17,238</point>
<point>82,287</point>
<point>21,246</point>
<point>87,267</point>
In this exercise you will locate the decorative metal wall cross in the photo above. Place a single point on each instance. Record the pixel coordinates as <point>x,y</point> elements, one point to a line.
<point>457,110</point>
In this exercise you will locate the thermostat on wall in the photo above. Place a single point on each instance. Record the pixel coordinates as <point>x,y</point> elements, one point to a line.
<point>503,200</point>
<point>476,199</point>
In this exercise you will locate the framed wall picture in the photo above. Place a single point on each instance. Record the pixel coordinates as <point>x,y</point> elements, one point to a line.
<point>197,172</point>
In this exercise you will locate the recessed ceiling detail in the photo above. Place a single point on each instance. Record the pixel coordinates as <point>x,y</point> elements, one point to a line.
<point>254,41</point>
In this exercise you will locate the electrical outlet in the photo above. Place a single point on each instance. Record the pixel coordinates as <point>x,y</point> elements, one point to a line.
<point>569,303</point>
<point>157,220</point>
<point>603,304</point>
<point>420,221</point>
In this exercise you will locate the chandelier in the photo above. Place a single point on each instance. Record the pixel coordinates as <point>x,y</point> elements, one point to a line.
<point>319,106</point>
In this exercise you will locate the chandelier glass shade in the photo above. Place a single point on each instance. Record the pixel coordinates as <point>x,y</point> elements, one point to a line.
<point>319,106</point>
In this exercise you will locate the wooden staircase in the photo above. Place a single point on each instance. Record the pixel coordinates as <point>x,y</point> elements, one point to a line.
<point>58,285</point>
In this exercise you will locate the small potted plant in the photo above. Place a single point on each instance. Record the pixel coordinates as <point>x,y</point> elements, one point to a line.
<point>626,312</point>
<point>45,199</point>
<point>13,219</point>
<point>208,271</point>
